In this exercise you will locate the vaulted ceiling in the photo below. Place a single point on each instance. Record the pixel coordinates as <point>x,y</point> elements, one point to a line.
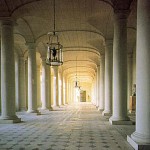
<point>82,25</point>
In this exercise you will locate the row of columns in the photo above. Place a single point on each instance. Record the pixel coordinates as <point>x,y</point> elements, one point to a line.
<point>119,112</point>
<point>116,77</point>
<point>142,131</point>
<point>113,73</point>
<point>12,71</point>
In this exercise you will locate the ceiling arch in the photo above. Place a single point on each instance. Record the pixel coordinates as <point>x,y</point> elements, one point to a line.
<point>82,25</point>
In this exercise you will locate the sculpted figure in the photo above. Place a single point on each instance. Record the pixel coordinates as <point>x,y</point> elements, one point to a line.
<point>134,90</point>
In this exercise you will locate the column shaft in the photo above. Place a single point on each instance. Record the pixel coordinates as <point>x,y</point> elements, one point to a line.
<point>38,71</point>
<point>98,86</point>
<point>43,85</point>
<point>129,78</point>
<point>17,101</point>
<point>120,69</point>
<point>32,79</point>
<point>22,87</point>
<point>0,77</point>
<point>8,113</point>
<point>62,89</point>
<point>102,70</point>
<point>56,87</point>
<point>108,78</point>
<point>50,88</point>
<point>141,137</point>
<point>66,91</point>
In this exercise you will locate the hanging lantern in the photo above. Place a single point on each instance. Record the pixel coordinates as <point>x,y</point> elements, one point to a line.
<point>54,48</point>
<point>54,51</point>
<point>76,82</point>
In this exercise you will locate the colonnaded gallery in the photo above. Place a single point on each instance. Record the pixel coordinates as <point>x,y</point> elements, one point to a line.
<point>75,74</point>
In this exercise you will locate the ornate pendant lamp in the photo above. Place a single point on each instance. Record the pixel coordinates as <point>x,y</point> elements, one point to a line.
<point>76,82</point>
<point>54,50</point>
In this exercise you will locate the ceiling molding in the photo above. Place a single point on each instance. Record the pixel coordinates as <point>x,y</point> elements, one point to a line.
<point>90,49</point>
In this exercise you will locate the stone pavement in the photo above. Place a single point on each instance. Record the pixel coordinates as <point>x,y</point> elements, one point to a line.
<point>72,127</point>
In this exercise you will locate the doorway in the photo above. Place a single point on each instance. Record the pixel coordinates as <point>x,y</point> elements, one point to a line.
<point>82,96</point>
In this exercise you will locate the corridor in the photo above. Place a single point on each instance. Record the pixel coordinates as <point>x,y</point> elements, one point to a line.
<point>71,127</point>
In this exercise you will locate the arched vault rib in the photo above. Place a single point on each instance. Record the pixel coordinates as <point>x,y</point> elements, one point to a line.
<point>77,30</point>
<point>33,38</point>
<point>79,48</point>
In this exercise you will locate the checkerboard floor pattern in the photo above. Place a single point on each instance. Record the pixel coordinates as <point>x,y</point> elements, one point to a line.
<point>71,127</point>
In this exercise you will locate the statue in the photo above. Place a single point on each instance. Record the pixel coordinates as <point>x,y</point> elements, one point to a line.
<point>134,90</point>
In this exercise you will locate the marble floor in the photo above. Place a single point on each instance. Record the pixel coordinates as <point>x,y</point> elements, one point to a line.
<point>72,127</point>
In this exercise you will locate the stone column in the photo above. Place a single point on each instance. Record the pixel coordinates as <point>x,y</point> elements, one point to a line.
<point>50,88</point>
<point>17,101</point>
<point>69,90</point>
<point>129,78</point>
<point>102,86</point>
<point>98,100</point>
<point>26,80</point>
<point>62,89</point>
<point>56,86</point>
<point>22,87</point>
<point>32,79</point>
<point>8,112</point>
<point>44,98</point>
<point>140,139</point>
<point>97,86</point>
<point>0,77</point>
<point>66,91</point>
<point>38,72</point>
<point>108,77</point>
<point>120,69</point>
<point>94,91</point>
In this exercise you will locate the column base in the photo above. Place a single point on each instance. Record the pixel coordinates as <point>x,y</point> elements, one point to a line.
<point>55,107</point>
<point>50,109</point>
<point>61,106</point>
<point>138,146</point>
<point>10,121</point>
<point>45,110</point>
<point>34,112</point>
<point>100,109</point>
<point>96,106</point>
<point>114,121</point>
<point>106,113</point>
<point>23,109</point>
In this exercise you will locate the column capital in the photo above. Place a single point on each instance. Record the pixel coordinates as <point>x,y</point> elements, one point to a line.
<point>7,21</point>
<point>55,67</point>
<point>31,45</point>
<point>22,58</point>
<point>121,13</point>
<point>109,42</point>
<point>43,58</point>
